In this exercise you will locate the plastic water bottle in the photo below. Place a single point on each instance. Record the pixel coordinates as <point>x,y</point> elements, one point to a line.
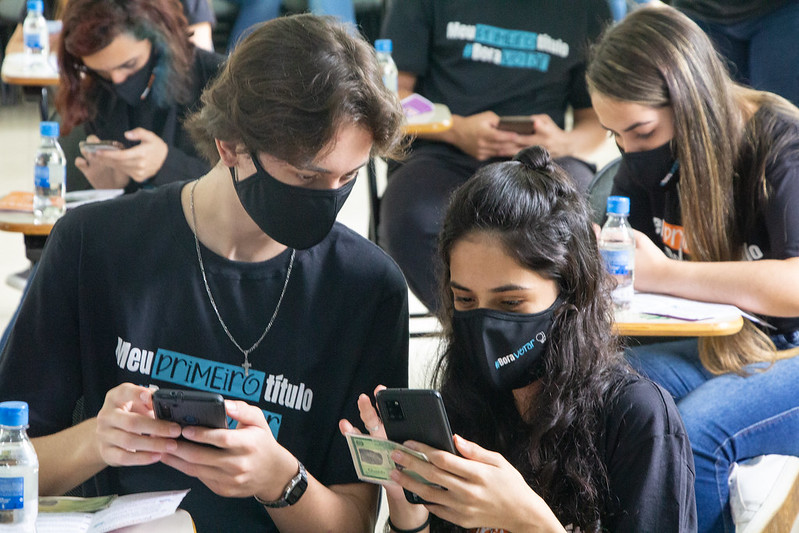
<point>617,246</point>
<point>35,35</point>
<point>388,68</point>
<point>19,471</point>
<point>49,176</point>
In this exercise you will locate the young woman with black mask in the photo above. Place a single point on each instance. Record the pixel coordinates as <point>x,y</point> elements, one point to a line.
<point>130,74</point>
<point>711,170</point>
<point>239,283</point>
<point>562,432</point>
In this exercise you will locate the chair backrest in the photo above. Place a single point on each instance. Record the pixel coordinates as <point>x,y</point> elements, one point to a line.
<point>599,189</point>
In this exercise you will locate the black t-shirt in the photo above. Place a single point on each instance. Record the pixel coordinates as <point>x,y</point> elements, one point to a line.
<point>656,211</point>
<point>510,57</point>
<point>728,11</point>
<point>119,297</point>
<point>649,461</point>
<point>114,117</point>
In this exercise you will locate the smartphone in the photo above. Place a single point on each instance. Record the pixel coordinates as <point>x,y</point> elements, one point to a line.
<point>521,124</point>
<point>415,414</point>
<point>190,408</point>
<point>99,146</point>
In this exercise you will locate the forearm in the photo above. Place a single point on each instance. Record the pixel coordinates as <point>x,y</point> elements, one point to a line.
<point>15,42</point>
<point>768,287</point>
<point>344,508</point>
<point>68,458</point>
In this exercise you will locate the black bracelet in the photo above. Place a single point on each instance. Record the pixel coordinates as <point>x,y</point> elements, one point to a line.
<point>414,530</point>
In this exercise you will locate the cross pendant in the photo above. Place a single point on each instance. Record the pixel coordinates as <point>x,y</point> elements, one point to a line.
<point>246,366</point>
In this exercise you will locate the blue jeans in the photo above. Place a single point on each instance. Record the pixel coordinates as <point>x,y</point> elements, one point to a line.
<point>728,418</point>
<point>763,50</point>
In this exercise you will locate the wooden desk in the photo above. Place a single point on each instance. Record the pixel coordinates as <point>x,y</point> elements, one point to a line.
<point>655,326</point>
<point>23,223</point>
<point>441,120</point>
<point>16,72</point>
<point>718,320</point>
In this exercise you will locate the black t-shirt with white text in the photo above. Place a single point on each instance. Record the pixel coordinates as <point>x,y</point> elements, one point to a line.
<point>510,57</point>
<point>119,297</point>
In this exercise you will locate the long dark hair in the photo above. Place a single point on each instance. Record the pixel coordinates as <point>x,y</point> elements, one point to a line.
<point>658,57</point>
<point>533,209</point>
<point>288,87</point>
<point>91,25</point>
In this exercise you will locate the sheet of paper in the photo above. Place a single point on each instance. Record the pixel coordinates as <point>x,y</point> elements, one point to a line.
<point>76,198</point>
<point>371,457</point>
<point>673,307</point>
<point>123,511</point>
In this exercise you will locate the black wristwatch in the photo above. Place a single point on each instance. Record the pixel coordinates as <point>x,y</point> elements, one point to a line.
<point>292,493</point>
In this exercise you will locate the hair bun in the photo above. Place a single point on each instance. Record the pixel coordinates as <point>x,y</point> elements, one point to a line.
<point>535,158</point>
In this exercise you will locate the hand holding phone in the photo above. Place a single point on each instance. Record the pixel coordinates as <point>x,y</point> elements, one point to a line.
<point>190,408</point>
<point>415,414</point>
<point>521,124</point>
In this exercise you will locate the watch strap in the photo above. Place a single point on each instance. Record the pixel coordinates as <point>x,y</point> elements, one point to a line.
<point>292,493</point>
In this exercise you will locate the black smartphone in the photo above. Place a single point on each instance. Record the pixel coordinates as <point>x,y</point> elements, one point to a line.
<point>521,124</point>
<point>415,414</point>
<point>190,408</point>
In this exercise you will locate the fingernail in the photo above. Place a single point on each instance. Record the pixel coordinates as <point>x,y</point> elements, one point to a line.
<point>188,432</point>
<point>412,445</point>
<point>396,456</point>
<point>394,475</point>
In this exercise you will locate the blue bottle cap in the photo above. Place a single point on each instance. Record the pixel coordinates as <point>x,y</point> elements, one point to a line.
<point>618,205</point>
<point>36,6</point>
<point>14,414</point>
<point>383,45</point>
<point>49,129</point>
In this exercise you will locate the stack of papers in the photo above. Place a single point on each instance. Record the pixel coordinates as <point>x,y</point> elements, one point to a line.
<point>106,513</point>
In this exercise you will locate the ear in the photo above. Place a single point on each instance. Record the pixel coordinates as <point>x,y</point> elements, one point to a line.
<point>228,152</point>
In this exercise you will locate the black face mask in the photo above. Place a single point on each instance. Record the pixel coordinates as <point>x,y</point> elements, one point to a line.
<point>294,216</point>
<point>507,348</point>
<point>137,86</point>
<point>650,168</point>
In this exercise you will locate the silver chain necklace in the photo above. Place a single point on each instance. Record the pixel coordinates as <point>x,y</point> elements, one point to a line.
<point>246,364</point>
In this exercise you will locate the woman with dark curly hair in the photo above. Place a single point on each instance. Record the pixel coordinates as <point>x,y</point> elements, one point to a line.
<point>130,74</point>
<point>576,437</point>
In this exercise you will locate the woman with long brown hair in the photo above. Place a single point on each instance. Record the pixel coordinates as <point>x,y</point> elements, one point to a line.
<point>130,74</point>
<point>712,170</point>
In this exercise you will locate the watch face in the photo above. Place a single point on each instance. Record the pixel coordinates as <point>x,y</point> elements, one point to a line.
<point>293,492</point>
<point>300,484</point>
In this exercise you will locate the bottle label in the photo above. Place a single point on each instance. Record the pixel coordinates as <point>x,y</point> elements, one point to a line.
<point>12,493</point>
<point>33,41</point>
<point>619,262</point>
<point>41,177</point>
